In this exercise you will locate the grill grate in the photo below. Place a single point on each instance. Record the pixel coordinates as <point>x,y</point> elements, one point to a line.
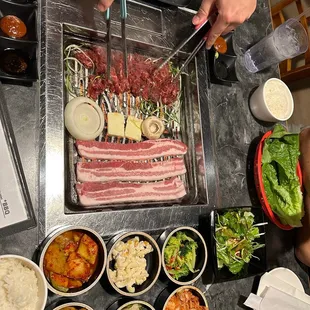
<point>126,104</point>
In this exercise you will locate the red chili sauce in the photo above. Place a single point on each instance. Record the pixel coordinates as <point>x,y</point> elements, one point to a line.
<point>13,27</point>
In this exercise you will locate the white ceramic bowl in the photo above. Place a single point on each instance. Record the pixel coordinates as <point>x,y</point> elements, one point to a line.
<point>195,291</point>
<point>134,302</point>
<point>259,106</point>
<point>73,304</point>
<point>42,287</point>
<point>100,267</point>
<point>202,256</point>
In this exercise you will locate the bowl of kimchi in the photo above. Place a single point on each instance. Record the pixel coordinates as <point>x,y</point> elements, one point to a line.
<point>73,259</point>
<point>185,297</point>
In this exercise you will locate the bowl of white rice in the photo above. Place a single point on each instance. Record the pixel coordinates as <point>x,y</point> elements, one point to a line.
<point>272,101</point>
<point>22,284</point>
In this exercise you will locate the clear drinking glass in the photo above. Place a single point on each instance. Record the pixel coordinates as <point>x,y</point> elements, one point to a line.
<point>287,41</point>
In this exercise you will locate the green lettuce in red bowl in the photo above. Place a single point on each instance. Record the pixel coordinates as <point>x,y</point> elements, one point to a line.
<point>278,178</point>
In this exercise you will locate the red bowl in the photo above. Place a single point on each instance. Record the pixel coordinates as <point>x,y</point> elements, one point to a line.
<point>260,185</point>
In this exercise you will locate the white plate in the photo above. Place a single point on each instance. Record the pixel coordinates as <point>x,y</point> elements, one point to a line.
<point>285,275</point>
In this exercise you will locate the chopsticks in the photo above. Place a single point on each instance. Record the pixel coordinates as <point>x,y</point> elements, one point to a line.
<point>123,25</point>
<point>179,47</point>
<point>191,56</point>
<point>109,51</point>
<point>109,36</point>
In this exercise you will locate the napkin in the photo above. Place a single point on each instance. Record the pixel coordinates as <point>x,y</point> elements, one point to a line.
<point>273,298</point>
<point>272,281</point>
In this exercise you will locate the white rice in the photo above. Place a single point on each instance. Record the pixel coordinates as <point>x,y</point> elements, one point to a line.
<point>18,286</point>
<point>277,99</point>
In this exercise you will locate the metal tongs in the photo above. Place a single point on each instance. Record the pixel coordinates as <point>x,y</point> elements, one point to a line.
<point>180,46</point>
<point>109,41</point>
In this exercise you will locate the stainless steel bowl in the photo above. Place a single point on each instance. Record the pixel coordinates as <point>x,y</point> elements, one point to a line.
<point>100,266</point>
<point>153,264</point>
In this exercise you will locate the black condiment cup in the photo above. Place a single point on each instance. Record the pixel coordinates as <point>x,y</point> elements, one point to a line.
<point>26,51</point>
<point>14,62</point>
<point>26,13</point>
<point>224,68</point>
<point>229,43</point>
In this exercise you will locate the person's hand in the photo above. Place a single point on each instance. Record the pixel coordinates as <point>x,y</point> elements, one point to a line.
<point>103,5</point>
<point>231,13</point>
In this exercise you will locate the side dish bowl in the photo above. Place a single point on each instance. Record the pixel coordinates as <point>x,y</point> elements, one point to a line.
<point>259,102</point>
<point>200,259</point>
<point>73,304</point>
<point>194,290</point>
<point>42,287</point>
<point>100,264</point>
<point>136,302</point>
<point>153,264</point>
<point>260,185</point>
<point>257,264</point>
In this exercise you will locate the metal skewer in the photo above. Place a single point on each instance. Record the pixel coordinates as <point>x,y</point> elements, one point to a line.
<point>123,25</point>
<point>178,48</point>
<point>191,56</point>
<point>260,224</point>
<point>108,23</point>
<point>261,234</point>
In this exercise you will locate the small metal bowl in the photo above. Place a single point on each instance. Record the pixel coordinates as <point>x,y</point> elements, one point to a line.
<point>73,304</point>
<point>102,259</point>
<point>201,259</point>
<point>121,304</point>
<point>162,300</point>
<point>153,264</point>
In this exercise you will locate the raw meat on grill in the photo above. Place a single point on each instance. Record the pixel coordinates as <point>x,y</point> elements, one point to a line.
<point>91,194</point>
<point>96,84</point>
<point>88,58</point>
<point>149,149</point>
<point>96,171</point>
<point>143,77</point>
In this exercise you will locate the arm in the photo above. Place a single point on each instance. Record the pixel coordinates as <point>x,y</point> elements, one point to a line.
<point>302,250</point>
<point>231,14</point>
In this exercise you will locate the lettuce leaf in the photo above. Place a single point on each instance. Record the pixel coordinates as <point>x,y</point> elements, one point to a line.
<point>279,161</point>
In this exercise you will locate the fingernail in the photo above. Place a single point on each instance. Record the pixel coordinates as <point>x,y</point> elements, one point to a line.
<point>101,7</point>
<point>196,19</point>
<point>208,46</point>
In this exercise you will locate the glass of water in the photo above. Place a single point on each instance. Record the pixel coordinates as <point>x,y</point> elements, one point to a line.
<point>287,41</point>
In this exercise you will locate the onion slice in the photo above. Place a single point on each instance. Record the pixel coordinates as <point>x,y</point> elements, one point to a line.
<point>83,118</point>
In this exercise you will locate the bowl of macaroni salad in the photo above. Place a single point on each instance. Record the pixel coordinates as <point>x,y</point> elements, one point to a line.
<point>134,263</point>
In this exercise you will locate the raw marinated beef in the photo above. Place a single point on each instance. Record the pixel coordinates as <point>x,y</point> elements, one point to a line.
<point>144,79</point>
